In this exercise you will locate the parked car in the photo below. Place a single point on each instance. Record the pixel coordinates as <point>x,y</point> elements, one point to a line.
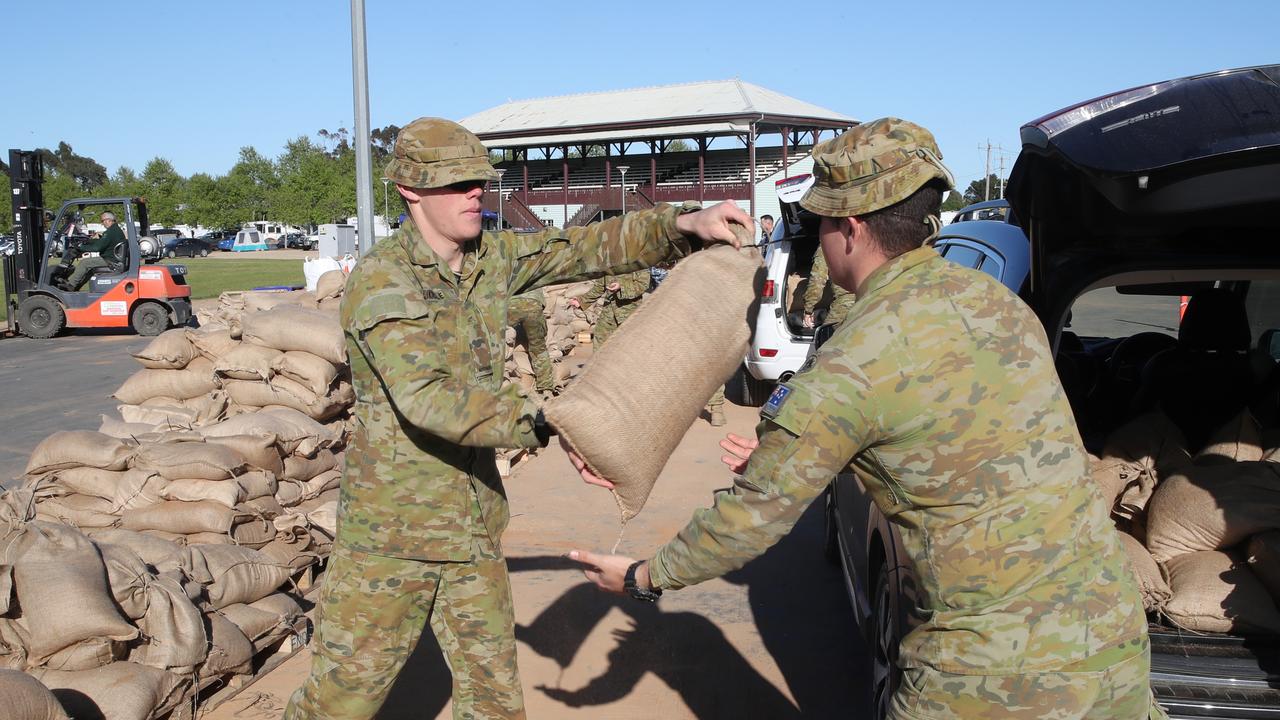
<point>1130,202</point>
<point>295,241</point>
<point>189,247</point>
<point>165,236</point>
<point>781,342</point>
<point>985,210</point>
<point>221,239</point>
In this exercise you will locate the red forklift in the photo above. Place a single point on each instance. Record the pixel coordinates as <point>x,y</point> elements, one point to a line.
<point>134,290</point>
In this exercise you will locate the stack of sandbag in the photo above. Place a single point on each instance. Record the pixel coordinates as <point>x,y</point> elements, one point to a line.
<point>121,624</point>
<point>566,327</point>
<point>1208,524</point>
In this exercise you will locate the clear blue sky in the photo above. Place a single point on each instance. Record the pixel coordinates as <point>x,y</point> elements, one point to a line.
<point>124,82</point>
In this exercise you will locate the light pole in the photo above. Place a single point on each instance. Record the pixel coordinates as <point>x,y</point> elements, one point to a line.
<point>501,172</point>
<point>622,170</point>
<point>385,219</point>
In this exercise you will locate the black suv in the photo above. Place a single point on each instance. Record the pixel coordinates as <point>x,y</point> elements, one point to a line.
<point>1132,203</point>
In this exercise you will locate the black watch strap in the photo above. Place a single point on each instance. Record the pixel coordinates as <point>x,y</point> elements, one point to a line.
<point>541,430</point>
<point>639,593</point>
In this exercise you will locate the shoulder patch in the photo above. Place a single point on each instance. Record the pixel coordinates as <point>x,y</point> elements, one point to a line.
<point>773,405</point>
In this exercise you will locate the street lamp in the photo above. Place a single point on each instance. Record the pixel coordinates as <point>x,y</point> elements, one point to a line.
<point>501,172</point>
<point>622,170</point>
<point>385,219</point>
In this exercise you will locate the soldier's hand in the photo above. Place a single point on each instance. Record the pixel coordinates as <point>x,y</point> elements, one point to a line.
<point>608,572</point>
<point>808,320</point>
<point>715,224</point>
<point>575,303</point>
<point>739,449</point>
<point>613,287</point>
<point>580,465</point>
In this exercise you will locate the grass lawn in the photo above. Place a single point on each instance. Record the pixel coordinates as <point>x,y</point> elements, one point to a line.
<point>209,277</point>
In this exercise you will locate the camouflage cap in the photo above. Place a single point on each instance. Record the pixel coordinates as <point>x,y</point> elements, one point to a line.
<point>873,166</point>
<point>434,152</point>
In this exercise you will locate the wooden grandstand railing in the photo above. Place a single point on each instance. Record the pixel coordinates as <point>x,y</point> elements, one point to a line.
<point>585,215</point>
<point>515,209</point>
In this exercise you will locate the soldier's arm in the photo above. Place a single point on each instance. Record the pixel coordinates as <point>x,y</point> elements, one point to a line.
<point>594,292</point>
<point>817,282</point>
<point>633,285</point>
<point>635,241</point>
<point>817,429</point>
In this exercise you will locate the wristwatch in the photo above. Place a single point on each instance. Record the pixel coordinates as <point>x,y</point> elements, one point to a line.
<point>541,429</point>
<point>635,591</point>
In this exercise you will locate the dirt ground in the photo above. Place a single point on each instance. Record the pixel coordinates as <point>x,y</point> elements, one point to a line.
<point>772,640</point>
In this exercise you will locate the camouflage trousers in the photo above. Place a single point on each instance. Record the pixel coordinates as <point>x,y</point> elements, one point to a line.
<point>611,317</point>
<point>717,399</point>
<point>525,314</point>
<point>373,608</point>
<point>1118,691</point>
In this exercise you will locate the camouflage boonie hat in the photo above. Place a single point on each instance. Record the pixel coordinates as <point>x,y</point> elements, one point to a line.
<point>873,166</point>
<point>434,152</point>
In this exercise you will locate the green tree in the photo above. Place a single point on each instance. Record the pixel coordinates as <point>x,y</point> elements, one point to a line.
<point>955,200</point>
<point>249,186</point>
<point>678,145</point>
<point>977,189</point>
<point>165,191</point>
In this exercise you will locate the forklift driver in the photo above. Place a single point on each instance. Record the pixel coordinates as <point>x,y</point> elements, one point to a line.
<point>104,244</point>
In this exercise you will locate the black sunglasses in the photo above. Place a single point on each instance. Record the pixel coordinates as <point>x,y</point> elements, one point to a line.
<point>466,186</point>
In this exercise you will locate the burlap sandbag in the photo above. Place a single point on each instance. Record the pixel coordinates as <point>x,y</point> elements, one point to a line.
<point>262,451</point>
<point>1139,455</point>
<point>128,577</point>
<point>212,342</point>
<point>87,654</point>
<point>1239,440</point>
<point>81,511</point>
<point>247,362</point>
<point>190,460</point>
<point>330,285</point>
<point>225,492</point>
<point>169,416</point>
<point>1264,560</point>
<point>237,574</point>
<point>79,448</point>
<point>182,518</point>
<point>290,393</point>
<point>292,544</point>
<point>1212,507</point>
<point>172,627</point>
<point>292,435</point>
<point>194,380</point>
<point>230,651</point>
<point>14,639</point>
<point>312,371</point>
<point>1215,592</point>
<point>61,585</point>
<point>160,554</point>
<point>118,428</point>
<point>1151,584</point>
<point>119,691</point>
<point>290,327</point>
<point>127,489</point>
<point>24,698</point>
<point>171,350</point>
<point>631,407</point>
<point>265,620</point>
<point>302,468</point>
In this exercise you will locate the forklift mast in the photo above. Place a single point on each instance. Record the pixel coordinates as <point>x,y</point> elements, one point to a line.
<point>26,172</point>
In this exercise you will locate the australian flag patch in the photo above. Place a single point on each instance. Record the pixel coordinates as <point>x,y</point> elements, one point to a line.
<point>774,403</point>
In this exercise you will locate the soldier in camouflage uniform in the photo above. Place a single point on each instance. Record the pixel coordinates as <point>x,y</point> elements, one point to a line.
<point>526,315</point>
<point>622,295</point>
<point>940,392</point>
<point>819,287</point>
<point>422,508</point>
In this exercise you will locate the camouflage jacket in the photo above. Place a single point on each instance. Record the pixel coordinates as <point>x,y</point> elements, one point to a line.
<point>820,286</point>
<point>633,287</point>
<point>940,389</point>
<point>426,347</point>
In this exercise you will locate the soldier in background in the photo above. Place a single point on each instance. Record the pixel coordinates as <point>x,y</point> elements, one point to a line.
<point>819,288</point>
<point>525,314</point>
<point>622,295</point>
<point>422,507</point>
<point>940,392</point>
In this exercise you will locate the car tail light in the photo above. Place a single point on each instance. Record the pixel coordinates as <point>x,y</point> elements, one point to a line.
<point>767,293</point>
<point>768,352</point>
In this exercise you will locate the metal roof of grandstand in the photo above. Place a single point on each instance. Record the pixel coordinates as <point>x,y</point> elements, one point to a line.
<point>711,108</point>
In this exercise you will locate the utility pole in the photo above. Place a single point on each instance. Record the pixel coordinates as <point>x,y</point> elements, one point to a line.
<point>1002,176</point>
<point>364,163</point>
<point>986,175</point>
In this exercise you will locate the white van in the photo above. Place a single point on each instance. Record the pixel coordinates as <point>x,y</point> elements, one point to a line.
<point>781,342</point>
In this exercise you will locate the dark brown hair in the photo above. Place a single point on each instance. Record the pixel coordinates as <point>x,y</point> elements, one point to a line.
<point>901,227</point>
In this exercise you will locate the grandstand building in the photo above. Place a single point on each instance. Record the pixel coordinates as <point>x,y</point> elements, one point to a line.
<point>563,158</point>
